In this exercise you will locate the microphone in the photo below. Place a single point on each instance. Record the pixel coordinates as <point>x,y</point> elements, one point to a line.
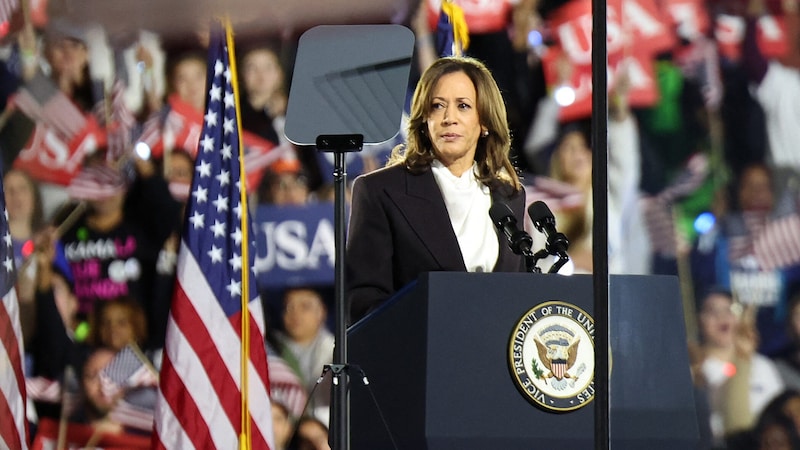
<point>543,220</point>
<point>519,241</point>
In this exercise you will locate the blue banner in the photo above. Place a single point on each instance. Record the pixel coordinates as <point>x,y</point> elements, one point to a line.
<point>295,245</point>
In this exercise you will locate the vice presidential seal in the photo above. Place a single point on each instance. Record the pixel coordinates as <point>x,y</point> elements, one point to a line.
<point>551,356</point>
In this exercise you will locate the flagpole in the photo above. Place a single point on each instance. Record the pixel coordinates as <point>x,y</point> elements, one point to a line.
<point>600,277</point>
<point>245,433</point>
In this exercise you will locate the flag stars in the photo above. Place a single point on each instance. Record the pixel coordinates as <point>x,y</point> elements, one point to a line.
<point>215,254</point>
<point>7,239</point>
<point>197,220</point>
<point>227,151</point>
<point>204,169</point>
<point>207,143</point>
<point>221,203</point>
<point>218,228</point>
<point>200,194</point>
<point>9,264</point>
<point>215,92</point>
<point>227,126</point>
<point>235,288</point>
<point>237,236</point>
<point>227,75</point>
<point>211,119</point>
<point>238,210</point>
<point>224,178</point>
<point>218,68</point>
<point>229,102</point>
<point>235,262</point>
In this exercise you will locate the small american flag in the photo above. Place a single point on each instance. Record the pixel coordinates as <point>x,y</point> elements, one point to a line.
<point>41,100</point>
<point>216,321</point>
<point>7,9</point>
<point>13,422</point>
<point>778,244</point>
<point>127,370</point>
<point>121,122</point>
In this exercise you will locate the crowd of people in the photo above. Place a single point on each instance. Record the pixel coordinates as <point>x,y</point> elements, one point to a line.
<point>703,184</point>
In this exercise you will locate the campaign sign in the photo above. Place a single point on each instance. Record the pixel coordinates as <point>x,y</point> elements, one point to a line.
<point>295,245</point>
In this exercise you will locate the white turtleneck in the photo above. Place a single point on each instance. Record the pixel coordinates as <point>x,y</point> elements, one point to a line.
<point>468,202</point>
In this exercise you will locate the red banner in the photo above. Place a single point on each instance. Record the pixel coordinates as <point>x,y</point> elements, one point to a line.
<point>630,46</point>
<point>770,35</point>
<point>48,158</point>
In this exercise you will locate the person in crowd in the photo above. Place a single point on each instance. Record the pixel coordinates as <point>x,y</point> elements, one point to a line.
<point>112,249</point>
<point>428,210</point>
<point>307,342</point>
<point>285,183</point>
<point>25,218</point>
<point>178,124</point>
<point>776,427</point>
<point>263,109</point>
<point>568,188</point>
<point>281,425</point>
<point>777,84</point>
<point>187,77</point>
<point>739,381</point>
<point>311,434</point>
<point>788,361</point>
<point>729,255</point>
<point>118,323</point>
<point>59,338</point>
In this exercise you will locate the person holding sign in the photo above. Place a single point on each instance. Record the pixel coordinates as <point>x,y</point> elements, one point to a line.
<point>428,209</point>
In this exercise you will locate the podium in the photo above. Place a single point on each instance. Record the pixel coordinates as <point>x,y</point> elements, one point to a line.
<point>437,358</point>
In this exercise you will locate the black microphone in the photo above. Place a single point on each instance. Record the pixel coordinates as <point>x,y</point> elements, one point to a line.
<point>545,222</point>
<point>519,241</point>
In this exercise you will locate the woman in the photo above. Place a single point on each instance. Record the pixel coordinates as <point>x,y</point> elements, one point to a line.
<point>740,382</point>
<point>428,210</point>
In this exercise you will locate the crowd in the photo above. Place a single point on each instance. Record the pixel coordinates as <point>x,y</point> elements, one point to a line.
<point>98,137</point>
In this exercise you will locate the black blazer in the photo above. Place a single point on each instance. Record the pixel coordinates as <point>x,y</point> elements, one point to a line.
<point>399,228</point>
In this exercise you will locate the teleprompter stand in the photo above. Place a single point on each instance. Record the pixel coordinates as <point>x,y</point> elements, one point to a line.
<point>348,90</point>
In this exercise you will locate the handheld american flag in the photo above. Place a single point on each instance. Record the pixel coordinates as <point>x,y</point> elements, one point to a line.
<point>452,35</point>
<point>13,423</point>
<point>206,400</point>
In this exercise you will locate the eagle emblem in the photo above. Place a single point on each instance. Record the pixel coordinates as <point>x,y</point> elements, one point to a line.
<point>557,347</point>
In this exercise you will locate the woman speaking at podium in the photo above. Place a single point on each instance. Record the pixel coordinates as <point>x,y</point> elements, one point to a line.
<point>428,209</point>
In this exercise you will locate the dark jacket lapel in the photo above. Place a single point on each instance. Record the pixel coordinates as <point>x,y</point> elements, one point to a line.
<point>422,205</point>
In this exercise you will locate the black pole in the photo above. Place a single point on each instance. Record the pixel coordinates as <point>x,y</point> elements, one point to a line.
<point>600,229</point>
<point>340,400</point>
<point>341,413</point>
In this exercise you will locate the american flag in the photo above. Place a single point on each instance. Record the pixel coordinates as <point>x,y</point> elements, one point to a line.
<point>7,9</point>
<point>120,123</point>
<point>41,100</point>
<point>203,398</point>
<point>452,36</point>
<point>13,423</point>
<point>127,370</point>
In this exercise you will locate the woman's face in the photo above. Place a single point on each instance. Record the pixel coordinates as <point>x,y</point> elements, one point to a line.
<point>261,73</point>
<point>718,321</point>
<point>304,314</point>
<point>19,196</point>
<point>67,56</point>
<point>453,123</point>
<point>775,437</point>
<point>190,82</point>
<point>575,159</point>
<point>755,191</point>
<point>116,327</point>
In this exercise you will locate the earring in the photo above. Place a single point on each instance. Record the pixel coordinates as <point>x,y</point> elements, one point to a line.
<point>485,133</point>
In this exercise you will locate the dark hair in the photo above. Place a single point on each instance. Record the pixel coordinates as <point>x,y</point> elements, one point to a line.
<point>493,150</point>
<point>135,312</point>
